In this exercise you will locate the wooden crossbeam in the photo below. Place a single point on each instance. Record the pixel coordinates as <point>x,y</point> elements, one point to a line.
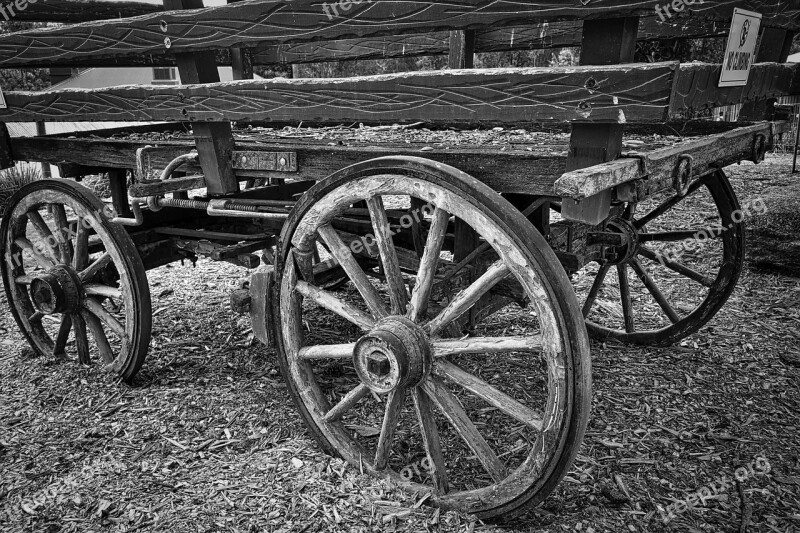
<point>658,165</point>
<point>248,24</point>
<point>518,171</point>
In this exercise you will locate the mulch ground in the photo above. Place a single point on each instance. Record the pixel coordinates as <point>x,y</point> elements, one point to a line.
<point>207,439</point>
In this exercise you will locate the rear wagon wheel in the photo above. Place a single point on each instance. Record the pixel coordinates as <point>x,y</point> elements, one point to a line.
<point>486,424</point>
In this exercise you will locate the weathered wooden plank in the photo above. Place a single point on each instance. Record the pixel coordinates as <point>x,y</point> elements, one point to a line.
<point>614,94</point>
<point>533,37</point>
<point>513,171</point>
<point>247,24</point>
<point>696,88</point>
<point>81,10</point>
<point>658,165</point>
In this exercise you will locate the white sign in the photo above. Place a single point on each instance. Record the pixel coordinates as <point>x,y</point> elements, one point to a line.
<point>741,51</point>
<point>2,100</point>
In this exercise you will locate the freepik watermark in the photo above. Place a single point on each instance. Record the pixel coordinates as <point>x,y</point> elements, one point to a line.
<point>418,468</point>
<point>701,238</point>
<point>670,9</point>
<point>332,9</point>
<point>46,245</point>
<point>8,12</point>
<point>368,241</point>
<point>758,467</point>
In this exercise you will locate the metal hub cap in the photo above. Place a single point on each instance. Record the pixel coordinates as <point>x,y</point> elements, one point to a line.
<point>56,291</point>
<point>396,353</point>
<point>627,251</point>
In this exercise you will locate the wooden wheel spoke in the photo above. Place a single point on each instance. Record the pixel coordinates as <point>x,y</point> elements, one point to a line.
<point>329,301</point>
<point>490,394</point>
<point>45,234</point>
<point>81,339</point>
<point>445,347</point>
<point>346,403</point>
<point>96,328</point>
<point>677,267</point>
<point>428,264</point>
<point>94,289</point>
<point>23,280</point>
<point>468,297</point>
<point>62,233</point>
<point>327,351</point>
<point>391,418</point>
<point>452,409</point>
<point>430,437</point>
<point>42,260</point>
<point>63,335</point>
<point>344,256</point>
<point>36,317</point>
<point>680,235</point>
<point>97,309</point>
<point>97,265</point>
<point>80,259</point>
<point>388,255</point>
<point>625,296</point>
<point>595,290</point>
<point>666,206</point>
<point>654,290</point>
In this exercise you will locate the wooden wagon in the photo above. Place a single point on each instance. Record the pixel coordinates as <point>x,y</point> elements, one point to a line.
<point>443,271</point>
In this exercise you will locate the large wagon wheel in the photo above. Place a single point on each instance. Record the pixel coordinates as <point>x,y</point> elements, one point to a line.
<point>486,424</point>
<point>681,261</point>
<point>68,270</point>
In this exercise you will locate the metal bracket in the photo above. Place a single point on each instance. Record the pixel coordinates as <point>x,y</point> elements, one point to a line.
<point>265,161</point>
<point>682,175</point>
<point>261,283</point>
<point>759,148</point>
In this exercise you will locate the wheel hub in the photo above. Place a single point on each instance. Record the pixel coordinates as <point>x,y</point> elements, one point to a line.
<point>396,353</point>
<point>630,241</point>
<point>56,291</point>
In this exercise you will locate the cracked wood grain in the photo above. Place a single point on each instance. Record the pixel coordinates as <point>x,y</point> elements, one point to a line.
<point>248,24</point>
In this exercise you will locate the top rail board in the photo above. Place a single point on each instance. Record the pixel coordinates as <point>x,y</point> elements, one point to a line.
<point>533,37</point>
<point>636,93</point>
<point>631,93</point>
<point>252,22</point>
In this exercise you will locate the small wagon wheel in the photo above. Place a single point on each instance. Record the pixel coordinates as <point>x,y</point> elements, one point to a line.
<point>70,272</point>
<point>486,424</point>
<point>681,261</point>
